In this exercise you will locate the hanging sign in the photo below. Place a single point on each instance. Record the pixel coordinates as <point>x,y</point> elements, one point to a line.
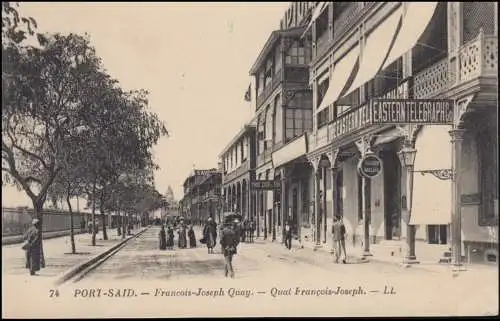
<point>370,166</point>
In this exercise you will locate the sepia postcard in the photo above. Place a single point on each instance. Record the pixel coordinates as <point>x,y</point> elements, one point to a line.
<point>249,159</point>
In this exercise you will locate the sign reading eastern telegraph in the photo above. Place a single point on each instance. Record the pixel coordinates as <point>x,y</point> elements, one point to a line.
<point>370,166</point>
<point>412,111</point>
<point>265,185</point>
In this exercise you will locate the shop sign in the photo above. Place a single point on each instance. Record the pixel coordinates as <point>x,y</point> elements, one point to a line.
<point>412,111</point>
<point>370,166</point>
<point>202,172</point>
<point>265,185</point>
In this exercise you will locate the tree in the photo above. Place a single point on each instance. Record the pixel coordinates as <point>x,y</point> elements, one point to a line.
<point>41,97</point>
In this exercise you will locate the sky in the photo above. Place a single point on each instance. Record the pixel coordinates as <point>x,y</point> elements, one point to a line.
<point>194,58</point>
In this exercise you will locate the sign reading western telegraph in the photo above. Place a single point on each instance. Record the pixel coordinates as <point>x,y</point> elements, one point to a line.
<point>412,111</point>
<point>265,185</point>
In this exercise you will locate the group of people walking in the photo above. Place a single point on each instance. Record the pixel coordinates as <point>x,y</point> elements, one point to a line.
<point>184,232</point>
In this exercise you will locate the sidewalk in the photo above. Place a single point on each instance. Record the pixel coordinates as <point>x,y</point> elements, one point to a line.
<point>388,252</point>
<point>58,257</point>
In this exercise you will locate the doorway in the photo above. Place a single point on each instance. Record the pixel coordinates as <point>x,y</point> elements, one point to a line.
<point>437,234</point>
<point>392,194</point>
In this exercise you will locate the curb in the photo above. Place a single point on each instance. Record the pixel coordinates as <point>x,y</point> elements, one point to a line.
<point>9,240</point>
<point>72,272</point>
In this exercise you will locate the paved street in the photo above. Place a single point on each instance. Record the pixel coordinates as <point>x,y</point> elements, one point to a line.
<point>260,267</point>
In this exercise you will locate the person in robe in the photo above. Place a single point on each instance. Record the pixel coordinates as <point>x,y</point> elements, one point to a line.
<point>170,237</point>
<point>181,231</point>
<point>210,235</point>
<point>33,247</point>
<point>163,238</point>
<point>192,237</point>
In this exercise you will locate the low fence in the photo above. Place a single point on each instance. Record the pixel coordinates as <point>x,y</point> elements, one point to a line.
<point>16,221</point>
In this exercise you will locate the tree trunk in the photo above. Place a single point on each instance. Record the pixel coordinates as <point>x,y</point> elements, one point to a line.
<point>124,225</point>
<point>71,230</point>
<point>93,214</point>
<point>38,207</point>
<point>103,217</point>
<point>119,223</point>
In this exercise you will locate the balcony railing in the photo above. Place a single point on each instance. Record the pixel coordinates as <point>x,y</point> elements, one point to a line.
<point>432,81</point>
<point>275,81</point>
<point>478,57</point>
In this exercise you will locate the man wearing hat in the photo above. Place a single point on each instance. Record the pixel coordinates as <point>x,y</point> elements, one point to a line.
<point>228,242</point>
<point>33,247</point>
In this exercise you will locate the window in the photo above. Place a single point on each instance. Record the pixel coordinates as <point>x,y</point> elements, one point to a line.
<point>323,117</point>
<point>322,25</point>
<point>322,88</point>
<point>269,72</point>
<point>298,53</point>
<point>260,82</point>
<point>278,120</point>
<point>269,127</point>
<point>260,133</point>
<point>278,61</point>
<point>297,121</point>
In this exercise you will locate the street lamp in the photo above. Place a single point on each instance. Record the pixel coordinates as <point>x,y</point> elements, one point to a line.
<point>407,157</point>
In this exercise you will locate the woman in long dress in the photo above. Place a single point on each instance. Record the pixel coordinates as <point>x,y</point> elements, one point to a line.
<point>192,237</point>
<point>210,235</point>
<point>182,243</point>
<point>162,238</point>
<point>170,237</point>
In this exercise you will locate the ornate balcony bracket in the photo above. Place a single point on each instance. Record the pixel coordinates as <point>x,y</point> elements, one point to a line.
<point>442,174</point>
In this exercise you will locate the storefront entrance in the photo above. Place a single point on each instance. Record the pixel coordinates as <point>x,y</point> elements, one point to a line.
<point>392,193</point>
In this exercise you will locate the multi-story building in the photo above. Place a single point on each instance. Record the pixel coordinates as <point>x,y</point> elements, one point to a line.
<point>283,115</point>
<point>202,195</point>
<point>412,51</point>
<point>238,165</point>
<point>172,208</point>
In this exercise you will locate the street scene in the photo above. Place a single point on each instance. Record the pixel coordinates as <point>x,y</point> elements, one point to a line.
<point>268,159</point>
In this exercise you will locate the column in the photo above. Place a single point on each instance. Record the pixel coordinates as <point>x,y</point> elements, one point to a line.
<point>364,147</point>
<point>263,208</point>
<point>323,201</point>
<point>284,203</point>
<point>333,171</point>
<point>317,210</point>
<point>299,210</point>
<point>457,136</point>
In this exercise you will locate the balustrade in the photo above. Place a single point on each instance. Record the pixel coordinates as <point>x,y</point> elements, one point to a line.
<point>478,57</point>
<point>432,81</point>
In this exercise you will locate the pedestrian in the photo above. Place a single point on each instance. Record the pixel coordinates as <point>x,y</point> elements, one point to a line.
<point>210,235</point>
<point>288,235</point>
<point>192,237</point>
<point>237,230</point>
<point>252,229</point>
<point>162,238</point>
<point>338,231</point>
<point>228,242</point>
<point>170,237</point>
<point>33,247</point>
<point>182,242</point>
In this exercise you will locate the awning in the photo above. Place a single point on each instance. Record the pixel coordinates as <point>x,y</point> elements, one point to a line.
<point>338,79</point>
<point>432,196</point>
<point>316,13</point>
<point>290,151</point>
<point>388,136</point>
<point>415,21</point>
<point>377,47</point>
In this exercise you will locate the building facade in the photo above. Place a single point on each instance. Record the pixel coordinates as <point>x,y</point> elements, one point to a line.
<point>283,116</point>
<point>202,195</point>
<point>363,51</point>
<point>238,171</point>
